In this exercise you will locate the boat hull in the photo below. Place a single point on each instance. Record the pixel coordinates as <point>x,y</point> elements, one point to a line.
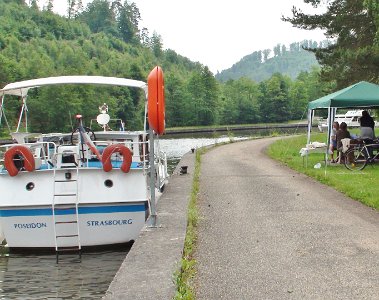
<point>26,227</point>
<point>112,207</point>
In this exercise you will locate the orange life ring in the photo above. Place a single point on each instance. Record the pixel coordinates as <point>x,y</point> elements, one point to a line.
<point>123,150</point>
<point>156,100</point>
<point>10,156</point>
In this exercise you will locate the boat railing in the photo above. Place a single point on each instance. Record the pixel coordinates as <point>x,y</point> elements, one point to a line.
<point>139,150</point>
<point>161,161</point>
<point>49,155</point>
<point>43,153</point>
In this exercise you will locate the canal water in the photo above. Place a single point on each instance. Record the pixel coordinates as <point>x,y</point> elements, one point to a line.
<point>39,277</point>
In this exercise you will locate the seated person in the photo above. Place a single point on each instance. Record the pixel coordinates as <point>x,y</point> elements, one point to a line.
<point>367,133</point>
<point>342,133</point>
<point>367,126</point>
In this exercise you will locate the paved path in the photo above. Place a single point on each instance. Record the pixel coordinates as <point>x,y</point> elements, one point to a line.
<point>267,232</point>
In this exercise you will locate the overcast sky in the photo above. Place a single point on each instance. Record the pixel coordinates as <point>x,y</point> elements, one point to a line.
<point>218,33</point>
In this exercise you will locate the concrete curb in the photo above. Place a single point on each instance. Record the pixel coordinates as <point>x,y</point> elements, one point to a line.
<point>147,271</point>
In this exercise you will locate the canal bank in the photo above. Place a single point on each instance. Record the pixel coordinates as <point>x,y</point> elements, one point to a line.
<point>147,271</point>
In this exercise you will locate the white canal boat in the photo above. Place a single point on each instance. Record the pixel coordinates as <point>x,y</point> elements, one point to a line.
<point>84,188</point>
<point>351,118</point>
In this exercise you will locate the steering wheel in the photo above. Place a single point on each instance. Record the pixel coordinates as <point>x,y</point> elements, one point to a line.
<point>75,135</point>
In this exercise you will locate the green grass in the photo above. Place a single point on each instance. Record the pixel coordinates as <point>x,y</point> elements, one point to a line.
<point>183,278</point>
<point>359,185</point>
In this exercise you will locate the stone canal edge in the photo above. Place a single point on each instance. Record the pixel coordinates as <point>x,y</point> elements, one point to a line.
<point>148,270</point>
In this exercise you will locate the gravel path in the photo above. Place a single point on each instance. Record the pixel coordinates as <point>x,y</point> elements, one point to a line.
<point>267,232</point>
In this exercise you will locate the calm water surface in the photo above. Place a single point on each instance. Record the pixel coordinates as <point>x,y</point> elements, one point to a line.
<point>39,277</point>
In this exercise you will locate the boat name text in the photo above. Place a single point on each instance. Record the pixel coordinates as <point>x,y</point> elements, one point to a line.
<point>29,225</point>
<point>110,222</point>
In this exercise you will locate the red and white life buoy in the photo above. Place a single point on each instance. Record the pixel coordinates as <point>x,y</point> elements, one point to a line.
<point>156,100</point>
<point>117,148</point>
<point>10,159</point>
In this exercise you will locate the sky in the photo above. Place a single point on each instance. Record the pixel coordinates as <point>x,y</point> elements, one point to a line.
<point>218,33</point>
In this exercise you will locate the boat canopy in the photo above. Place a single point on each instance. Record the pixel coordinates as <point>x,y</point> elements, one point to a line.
<point>21,88</point>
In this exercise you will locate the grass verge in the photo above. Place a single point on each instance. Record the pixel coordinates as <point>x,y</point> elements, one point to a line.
<point>187,269</point>
<point>359,185</point>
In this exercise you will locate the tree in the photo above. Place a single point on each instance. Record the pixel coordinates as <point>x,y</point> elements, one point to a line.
<point>177,101</point>
<point>50,5</point>
<point>34,4</point>
<point>277,50</point>
<point>144,37</point>
<point>156,44</point>
<point>354,25</point>
<point>203,89</point>
<point>70,8</point>
<point>274,101</point>
<point>127,21</point>
<point>266,53</point>
<point>99,17</point>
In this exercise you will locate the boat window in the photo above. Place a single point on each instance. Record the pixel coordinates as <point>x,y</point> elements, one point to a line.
<point>108,183</point>
<point>30,186</point>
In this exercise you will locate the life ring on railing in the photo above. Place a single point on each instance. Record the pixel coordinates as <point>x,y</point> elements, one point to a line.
<point>156,100</point>
<point>123,150</point>
<point>18,157</point>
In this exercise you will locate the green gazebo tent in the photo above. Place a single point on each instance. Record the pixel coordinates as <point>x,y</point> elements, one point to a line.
<point>359,95</point>
<point>362,94</point>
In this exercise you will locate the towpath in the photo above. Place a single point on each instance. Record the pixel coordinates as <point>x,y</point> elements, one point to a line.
<point>267,232</point>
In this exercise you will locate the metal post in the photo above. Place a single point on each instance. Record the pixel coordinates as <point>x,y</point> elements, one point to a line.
<point>309,126</point>
<point>331,114</point>
<point>21,114</point>
<point>153,207</point>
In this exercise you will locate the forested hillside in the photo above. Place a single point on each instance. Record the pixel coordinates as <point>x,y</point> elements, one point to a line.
<point>261,65</point>
<point>102,39</point>
<point>105,38</point>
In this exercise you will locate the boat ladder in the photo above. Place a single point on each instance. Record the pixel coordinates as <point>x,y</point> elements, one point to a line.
<point>65,212</point>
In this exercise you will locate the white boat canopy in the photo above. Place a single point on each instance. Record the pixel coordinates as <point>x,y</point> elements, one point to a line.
<point>21,88</point>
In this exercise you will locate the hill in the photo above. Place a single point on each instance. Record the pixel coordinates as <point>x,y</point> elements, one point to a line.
<point>101,39</point>
<point>259,66</point>
<point>104,38</point>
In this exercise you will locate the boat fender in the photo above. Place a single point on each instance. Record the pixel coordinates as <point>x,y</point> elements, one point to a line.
<point>156,100</point>
<point>14,153</point>
<point>123,150</point>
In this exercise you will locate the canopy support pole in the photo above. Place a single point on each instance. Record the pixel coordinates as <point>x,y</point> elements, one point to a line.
<point>24,108</point>
<point>2,113</point>
<point>331,115</point>
<point>310,117</point>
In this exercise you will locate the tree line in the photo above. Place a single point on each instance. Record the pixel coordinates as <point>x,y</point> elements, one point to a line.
<point>105,38</point>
